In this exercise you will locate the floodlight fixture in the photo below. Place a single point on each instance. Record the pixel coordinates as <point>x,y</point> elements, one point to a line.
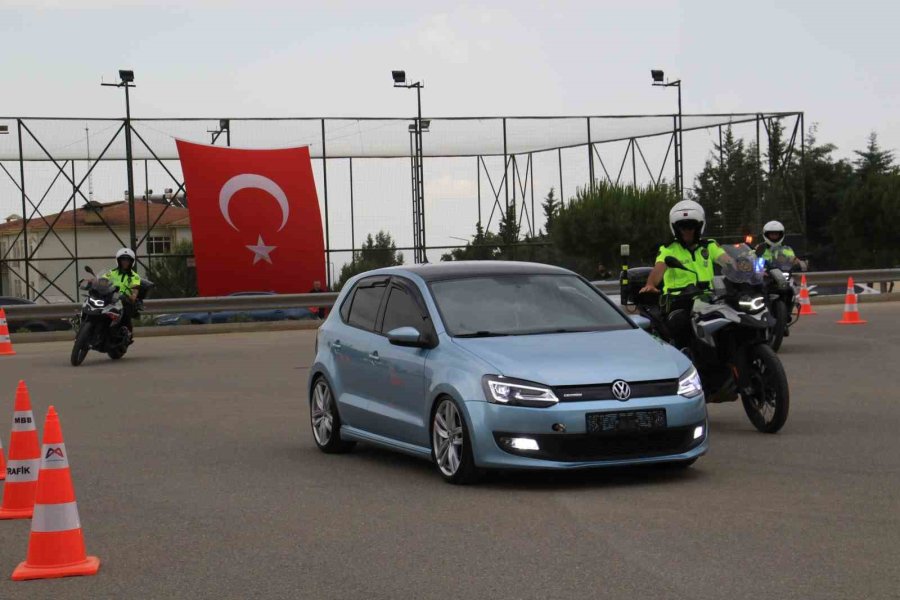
<point>658,75</point>
<point>399,77</point>
<point>4,129</point>
<point>412,128</point>
<point>425,124</point>
<point>126,76</point>
<point>224,124</point>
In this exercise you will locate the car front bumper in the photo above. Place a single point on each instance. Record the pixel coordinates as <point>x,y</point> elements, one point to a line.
<point>563,441</point>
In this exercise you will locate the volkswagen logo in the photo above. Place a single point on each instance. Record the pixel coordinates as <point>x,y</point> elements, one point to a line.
<point>621,390</point>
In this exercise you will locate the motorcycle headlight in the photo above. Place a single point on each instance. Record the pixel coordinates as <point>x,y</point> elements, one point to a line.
<point>755,304</point>
<point>689,384</point>
<point>514,392</point>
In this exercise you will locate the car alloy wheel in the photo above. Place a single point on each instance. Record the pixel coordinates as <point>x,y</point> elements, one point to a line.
<point>322,413</point>
<point>447,438</point>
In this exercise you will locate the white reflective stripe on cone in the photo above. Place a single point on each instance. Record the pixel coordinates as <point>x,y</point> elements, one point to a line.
<point>4,339</point>
<point>3,321</point>
<point>23,420</point>
<point>20,471</point>
<point>54,456</point>
<point>50,518</point>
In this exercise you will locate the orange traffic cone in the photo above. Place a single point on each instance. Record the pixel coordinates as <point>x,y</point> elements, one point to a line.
<point>805,305</point>
<point>2,463</point>
<point>851,310</point>
<point>6,348</point>
<point>56,546</point>
<point>24,461</point>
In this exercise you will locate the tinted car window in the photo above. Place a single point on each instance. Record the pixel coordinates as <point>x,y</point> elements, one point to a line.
<point>401,311</point>
<point>366,300</point>
<point>522,305</point>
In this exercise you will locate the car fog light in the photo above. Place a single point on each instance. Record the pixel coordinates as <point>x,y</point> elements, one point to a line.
<point>521,443</point>
<point>698,432</point>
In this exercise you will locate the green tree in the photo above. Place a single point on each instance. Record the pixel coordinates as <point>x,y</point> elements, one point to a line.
<point>170,273</point>
<point>375,253</point>
<point>727,188</point>
<point>551,210</point>
<point>873,160</point>
<point>593,224</point>
<point>826,183</point>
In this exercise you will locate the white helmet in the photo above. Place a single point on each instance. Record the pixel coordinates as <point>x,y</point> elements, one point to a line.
<point>687,210</point>
<point>773,227</point>
<point>125,252</point>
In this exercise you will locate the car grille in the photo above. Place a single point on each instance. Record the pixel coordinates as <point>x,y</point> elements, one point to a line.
<point>579,447</point>
<point>603,391</point>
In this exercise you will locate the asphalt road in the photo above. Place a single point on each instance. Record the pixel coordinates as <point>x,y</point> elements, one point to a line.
<point>197,477</point>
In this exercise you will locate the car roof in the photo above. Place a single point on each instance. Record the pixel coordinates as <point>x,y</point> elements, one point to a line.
<point>474,268</point>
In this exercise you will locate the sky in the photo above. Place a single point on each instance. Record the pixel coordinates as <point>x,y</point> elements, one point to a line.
<point>836,61</point>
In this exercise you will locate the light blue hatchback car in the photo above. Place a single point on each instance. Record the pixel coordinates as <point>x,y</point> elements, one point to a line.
<point>499,365</point>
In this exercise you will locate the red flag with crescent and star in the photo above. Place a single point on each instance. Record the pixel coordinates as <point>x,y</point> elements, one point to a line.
<point>255,219</point>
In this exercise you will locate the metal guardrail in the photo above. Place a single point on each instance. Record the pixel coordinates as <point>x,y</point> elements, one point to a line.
<point>180,305</point>
<point>240,303</point>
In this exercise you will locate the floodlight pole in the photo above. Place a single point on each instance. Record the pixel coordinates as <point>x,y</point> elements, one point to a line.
<point>679,151</point>
<point>419,255</point>
<point>132,228</point>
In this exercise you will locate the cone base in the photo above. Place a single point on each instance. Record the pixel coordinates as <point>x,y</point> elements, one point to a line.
<point>88,566</point>
<point>812,312</point>
<point>7,352</point>
<point>22,513</point>
<point>855,322</point>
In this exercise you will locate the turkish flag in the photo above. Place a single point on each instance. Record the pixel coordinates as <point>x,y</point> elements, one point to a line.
<point>254,218</point>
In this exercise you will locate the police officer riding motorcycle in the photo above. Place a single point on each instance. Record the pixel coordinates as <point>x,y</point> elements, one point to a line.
<point>722,329</point>
<point>781,262</point>
<point>105,322</point>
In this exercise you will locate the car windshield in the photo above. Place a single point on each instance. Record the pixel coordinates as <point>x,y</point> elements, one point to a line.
<point>523,305</point>
<point>744,266</point>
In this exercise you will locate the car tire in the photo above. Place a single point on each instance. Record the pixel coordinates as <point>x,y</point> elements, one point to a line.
<point>325,420</point>
<point>453,459</point>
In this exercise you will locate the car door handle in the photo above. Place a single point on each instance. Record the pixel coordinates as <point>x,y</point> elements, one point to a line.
<point>374,357</point>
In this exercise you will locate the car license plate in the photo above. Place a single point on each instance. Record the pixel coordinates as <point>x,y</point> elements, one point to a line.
<point>626,421</point>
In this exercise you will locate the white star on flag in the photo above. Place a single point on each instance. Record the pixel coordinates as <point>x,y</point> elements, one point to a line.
<point>261,251</point>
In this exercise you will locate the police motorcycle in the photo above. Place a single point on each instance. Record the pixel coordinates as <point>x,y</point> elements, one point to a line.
<point>99,323</point>
<point>783,299</point>
<point>724,333</point>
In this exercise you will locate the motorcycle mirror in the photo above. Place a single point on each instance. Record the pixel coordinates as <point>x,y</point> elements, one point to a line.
<point>89,269</point>
<point>674,263</point>
<point>760,250</point>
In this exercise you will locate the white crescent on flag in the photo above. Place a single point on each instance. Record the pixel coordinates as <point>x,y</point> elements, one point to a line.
<point>251,180</point>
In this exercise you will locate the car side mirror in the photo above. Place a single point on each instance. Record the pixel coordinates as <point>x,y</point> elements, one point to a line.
<point>674,263</point>
<point>642,322</point>
<point>407,336</point>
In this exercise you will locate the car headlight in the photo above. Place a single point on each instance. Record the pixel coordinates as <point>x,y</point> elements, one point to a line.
<point>514,392</point>
<point>689,383</point>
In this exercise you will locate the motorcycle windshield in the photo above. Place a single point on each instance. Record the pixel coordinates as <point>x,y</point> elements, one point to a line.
<point>102,288</point>
<point>781,261</point>
<point>744,266</point>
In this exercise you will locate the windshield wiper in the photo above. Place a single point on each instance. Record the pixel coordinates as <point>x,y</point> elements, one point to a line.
<point>478,334</point>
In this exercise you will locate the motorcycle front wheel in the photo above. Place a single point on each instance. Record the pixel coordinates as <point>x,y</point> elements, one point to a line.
<point>776,333</point>
<point>82,344</point>
<point>767,399</point>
